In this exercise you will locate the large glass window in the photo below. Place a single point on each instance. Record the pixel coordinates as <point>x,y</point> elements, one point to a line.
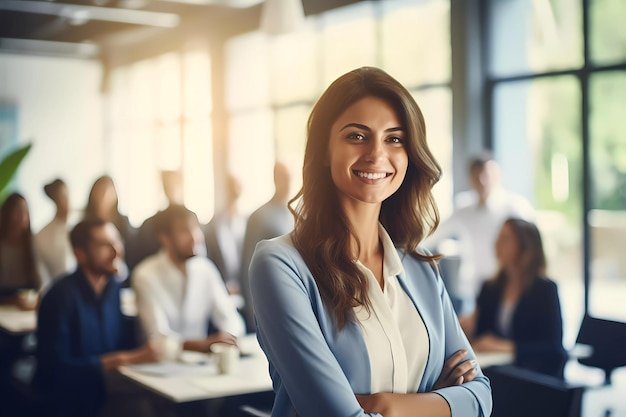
<point>290,140</point>
<point>159,119</point>
<point>294,67</point>
<point>538,143</point>
<point>549,105</point>
<point>427,25</point>
<point>530,36</point>
<point>349,40</point>
<point>436,105</point>
<point>607,37</point>
<point>607,219</point>
<point>301,65</point>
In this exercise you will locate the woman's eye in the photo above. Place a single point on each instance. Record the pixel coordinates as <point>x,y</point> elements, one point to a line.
<point>396,139</point>
<point>356,136</point>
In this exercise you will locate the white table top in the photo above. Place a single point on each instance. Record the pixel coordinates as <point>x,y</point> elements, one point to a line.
<point>487,359</point>
<point>16,321</point>
<point>187,381</point>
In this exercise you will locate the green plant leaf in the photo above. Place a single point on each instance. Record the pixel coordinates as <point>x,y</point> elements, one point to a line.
<point>10,164</point>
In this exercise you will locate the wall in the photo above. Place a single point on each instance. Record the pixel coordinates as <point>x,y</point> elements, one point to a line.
<point>59,111</point>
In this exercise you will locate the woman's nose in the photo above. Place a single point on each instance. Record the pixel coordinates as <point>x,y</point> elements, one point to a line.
<point>375,151</point>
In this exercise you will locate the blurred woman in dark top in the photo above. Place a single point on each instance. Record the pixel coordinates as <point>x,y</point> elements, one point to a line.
<point>519,310</point>
<point>102,204</point>
<point>20,269</point>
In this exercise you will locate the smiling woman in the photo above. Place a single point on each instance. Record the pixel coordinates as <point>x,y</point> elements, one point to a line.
<point>351,313</point>
<point>368,159</point>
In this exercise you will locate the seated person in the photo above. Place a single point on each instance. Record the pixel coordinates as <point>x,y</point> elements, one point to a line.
<point>20,266</point>
<point>81,333</point>
<point>518,311</point>
<point>178,293</point>
<point>52,242</point>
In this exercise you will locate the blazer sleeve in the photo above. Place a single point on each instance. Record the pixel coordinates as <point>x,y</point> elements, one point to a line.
<point>471,398</point>
<point>293,341</point>
<point>468,399</point>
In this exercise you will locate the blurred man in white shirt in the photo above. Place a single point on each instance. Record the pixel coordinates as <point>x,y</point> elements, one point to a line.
<point>178,293</point>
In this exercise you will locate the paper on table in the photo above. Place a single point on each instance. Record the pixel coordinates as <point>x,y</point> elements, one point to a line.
<point>164,368</point>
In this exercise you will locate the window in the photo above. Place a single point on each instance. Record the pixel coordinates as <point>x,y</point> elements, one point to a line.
<point>538,143</point>
<point>529,36</point>
<point>607,218</point>
<point>159,119</point>
<point>607,37</point>
<point>556,126</point>
<point>269,102</point>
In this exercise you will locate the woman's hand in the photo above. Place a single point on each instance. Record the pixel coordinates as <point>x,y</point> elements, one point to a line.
<point>376,403</point>
<point>456,371</point>
<point>221,337</point>
<point>404,405</point>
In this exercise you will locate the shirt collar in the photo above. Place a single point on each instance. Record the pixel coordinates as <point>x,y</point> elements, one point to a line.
<point>392,265</point>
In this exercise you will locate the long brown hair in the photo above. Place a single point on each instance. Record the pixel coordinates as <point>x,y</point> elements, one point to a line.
<point>91,211</point>
<point>25,239</point>
<point>531,258</point>
<point>322,232</point>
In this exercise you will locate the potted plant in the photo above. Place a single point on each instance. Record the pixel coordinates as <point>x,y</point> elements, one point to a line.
<point>9,166</point>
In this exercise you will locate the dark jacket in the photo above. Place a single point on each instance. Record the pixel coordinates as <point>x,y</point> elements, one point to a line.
<point>536,328</point>
<point>74,329</point>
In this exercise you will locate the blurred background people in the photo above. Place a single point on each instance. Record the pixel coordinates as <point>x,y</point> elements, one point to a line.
<point>224,236</point>
<point>20,267</point>
<point>146,241</point>
<point>82,336</point>
<point>179,294</point>
<point>102,204</point>
<point>52,242</point>
<point>270,220</point>
<point>474,225</point>
<point>519,311</point>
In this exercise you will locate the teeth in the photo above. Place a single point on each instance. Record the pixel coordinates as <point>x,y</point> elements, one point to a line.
<point>371,176</point>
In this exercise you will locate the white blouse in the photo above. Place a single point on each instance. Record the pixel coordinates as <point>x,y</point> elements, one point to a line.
<point>394,332</point>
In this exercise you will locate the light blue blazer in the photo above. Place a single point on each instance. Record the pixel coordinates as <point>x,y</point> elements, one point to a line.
<point>316,370</point>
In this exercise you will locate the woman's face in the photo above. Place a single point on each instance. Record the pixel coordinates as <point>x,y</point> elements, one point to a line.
<point>105,198</point>
<point>507,248</point>
<point>20,218</point>
<point>367,152</point>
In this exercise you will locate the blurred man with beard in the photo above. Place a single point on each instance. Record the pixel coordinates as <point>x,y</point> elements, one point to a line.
<point>179,293</point>
<point>82,336</point>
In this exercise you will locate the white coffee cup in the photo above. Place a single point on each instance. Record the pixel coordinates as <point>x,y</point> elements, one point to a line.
<point>227,357</point>
<point>168,347</point>
<point>28,298</point>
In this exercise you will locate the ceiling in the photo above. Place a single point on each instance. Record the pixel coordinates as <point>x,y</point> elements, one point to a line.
<point>79,26</point>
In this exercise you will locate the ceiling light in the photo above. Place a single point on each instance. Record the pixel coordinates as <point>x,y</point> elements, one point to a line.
<point>79,13</point>
<point>282,16</point>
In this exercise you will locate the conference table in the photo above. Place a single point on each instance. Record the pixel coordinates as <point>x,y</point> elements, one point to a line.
<point>15,321</point>
<point>195,376</point>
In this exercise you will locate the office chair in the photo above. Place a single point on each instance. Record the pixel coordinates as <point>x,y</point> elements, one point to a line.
<point>520,392</point>
<point>607,340</point>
